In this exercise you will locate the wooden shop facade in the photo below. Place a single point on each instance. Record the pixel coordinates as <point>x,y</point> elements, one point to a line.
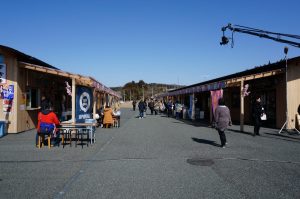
<point>25,80</point>
<point>239,91</point>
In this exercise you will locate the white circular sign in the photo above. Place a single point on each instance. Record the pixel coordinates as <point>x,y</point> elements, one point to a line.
<point>84,101</point>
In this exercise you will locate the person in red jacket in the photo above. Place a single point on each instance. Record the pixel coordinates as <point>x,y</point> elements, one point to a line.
<point>47,116</point>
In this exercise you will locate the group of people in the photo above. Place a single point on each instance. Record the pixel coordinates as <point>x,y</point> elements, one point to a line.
<point>154,105</point>
<point>157,107</point>
<point>106,114</point>
<point>105,117</point>
<point>222,116</point>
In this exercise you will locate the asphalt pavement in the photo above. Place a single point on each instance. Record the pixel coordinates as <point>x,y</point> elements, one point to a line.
<point>154,157</point>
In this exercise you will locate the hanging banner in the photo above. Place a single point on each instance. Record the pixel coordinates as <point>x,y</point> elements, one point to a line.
<point>215,96</point>
<point>84,103</point>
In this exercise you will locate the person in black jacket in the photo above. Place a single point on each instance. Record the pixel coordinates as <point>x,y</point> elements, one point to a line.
<point>257,113</point>
<point>141,106</point>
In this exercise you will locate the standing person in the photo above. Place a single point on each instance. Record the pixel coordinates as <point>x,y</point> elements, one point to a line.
<point>133,105</point>
<point>178,109</point>
<point>223,120</point>
<point>257,113</point>
<point>107,116</point>
<point>151,106</point>
<point>48,118</point>
<point>141,106</point>
<point>169,108</point>
<point>156,107</point>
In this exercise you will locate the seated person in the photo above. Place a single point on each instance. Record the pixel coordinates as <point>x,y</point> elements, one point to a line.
<point>107,116</point>
<point>47,116</point>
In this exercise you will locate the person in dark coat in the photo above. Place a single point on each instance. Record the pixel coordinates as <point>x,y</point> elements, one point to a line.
<point>169,108</point>
<point>257,113</point>
<point>141,106</point>
<point>134,105</point>
<point>223,120</point>
<point>151,106</point>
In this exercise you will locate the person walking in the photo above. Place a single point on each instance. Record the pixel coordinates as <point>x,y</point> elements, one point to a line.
<point>151,106</point>
<point>141,106</point>
<point>223,120</point>
<point>257,113</point>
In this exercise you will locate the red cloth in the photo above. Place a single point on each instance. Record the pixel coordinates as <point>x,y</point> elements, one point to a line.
<point>49,118</point>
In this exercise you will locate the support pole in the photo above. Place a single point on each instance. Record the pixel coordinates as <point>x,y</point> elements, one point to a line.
<point>73,99</point>
<point>242,113</point>
<point>94,102</point>
<point>193,107</point>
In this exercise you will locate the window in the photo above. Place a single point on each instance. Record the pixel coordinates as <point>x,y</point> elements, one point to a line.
<point>32,98</point>
<point>236,102</point>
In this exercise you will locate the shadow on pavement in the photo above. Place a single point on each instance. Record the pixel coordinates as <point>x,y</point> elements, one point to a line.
<point>281,136</point>
<point>242,132</point>
<point>203,141</point>
<point>269,135</point>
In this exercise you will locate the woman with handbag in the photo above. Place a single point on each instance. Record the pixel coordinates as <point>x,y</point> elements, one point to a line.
<point>258,112</point>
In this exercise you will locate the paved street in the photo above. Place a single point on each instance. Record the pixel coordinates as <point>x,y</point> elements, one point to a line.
<point>154,157</point>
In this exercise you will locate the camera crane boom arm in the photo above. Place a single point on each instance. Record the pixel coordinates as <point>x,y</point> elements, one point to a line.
<point>260,33</point>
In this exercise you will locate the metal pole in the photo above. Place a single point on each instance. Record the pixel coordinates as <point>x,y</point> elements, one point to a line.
<point>143,93</point>
<point>286,98</point>
<point>152,91</point>
<point>130,96</point>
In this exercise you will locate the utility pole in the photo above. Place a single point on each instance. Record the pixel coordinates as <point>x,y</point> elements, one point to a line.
<point>152,91</point>
<point>143,93</point>
<point>130,96</point>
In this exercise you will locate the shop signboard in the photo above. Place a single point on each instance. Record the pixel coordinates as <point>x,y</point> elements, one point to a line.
<point>7,94</point>
<point>84,103</point>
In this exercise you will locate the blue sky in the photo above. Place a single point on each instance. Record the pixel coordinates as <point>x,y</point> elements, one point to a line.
<point>158,41</point>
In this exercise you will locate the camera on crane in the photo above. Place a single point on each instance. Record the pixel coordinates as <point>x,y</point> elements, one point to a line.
<point>224,40</point>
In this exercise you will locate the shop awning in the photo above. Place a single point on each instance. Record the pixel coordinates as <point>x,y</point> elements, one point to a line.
<point>80,79</point>
<point>231,82</point>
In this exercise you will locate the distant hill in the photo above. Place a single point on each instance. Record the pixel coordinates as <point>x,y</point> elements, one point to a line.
<point>134,90</point>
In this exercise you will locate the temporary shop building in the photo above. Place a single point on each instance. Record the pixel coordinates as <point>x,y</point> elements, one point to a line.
<point>25,79</point>
<point>278,84</point>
